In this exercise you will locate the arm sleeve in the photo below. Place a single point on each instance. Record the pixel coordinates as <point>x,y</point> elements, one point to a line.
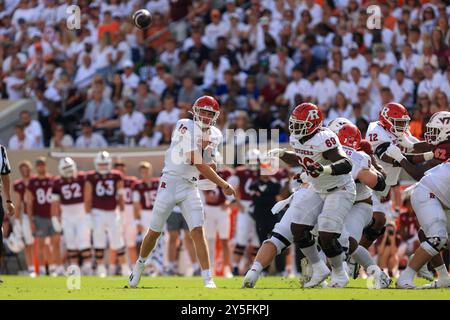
<point>136,196</point>
<point>6,168</point>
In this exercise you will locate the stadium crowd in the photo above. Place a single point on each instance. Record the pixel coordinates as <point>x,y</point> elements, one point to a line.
<point>111,84</point>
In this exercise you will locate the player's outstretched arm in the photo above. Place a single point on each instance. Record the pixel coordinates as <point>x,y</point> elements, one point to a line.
<point>373,179</point>
<point>289,157</point>
<point>206,170</point>
<point>341,164</point>
<point>416,171</point>
<point>417,147</point>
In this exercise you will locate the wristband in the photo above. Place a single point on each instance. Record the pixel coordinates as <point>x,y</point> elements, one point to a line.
<point>428,156</point>
<point>327,170</point>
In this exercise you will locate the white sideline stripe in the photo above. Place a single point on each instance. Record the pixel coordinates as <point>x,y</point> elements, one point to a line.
<point>113,154</point>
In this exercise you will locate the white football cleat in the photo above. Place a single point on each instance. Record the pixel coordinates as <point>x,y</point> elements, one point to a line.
<point>209,284</point>
<point>250,279</point>
<point>382,280</point>
<point>135,275</point>
<point>319,274</point>
<point>227,272</point>
<point>339,279</point>
<point>423,272</point>
<point>403,283</point>
<point>437,284</point>
<point>101,271</point>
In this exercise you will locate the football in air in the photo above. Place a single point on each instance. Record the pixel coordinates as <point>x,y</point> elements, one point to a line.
<point>142,18</point>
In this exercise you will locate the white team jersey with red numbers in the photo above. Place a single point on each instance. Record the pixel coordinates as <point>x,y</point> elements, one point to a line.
<point>312,151</point>
<point>437,179</point>
<point>377,135</point>
<point>186,137</point>
<point>360,161</point>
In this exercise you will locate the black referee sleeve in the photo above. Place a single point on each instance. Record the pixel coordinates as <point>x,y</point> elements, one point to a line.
<point>5,167</point>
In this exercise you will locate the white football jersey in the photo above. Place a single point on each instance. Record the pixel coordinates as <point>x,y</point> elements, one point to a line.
<point>360,161</point>
<point>437,179</point>
<point>186,137</point>
<point>312,152</point>
<point>377,135</point>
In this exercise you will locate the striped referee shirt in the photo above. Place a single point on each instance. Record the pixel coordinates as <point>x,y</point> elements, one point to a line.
<point>5,168</point>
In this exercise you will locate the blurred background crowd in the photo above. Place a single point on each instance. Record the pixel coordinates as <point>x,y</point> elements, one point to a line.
<point>110,83</point>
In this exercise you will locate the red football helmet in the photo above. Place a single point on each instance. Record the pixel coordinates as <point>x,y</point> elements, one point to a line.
<point>349,136</point>
<point>394,118</point>
<point>305,120</point>
<point>206,110</point>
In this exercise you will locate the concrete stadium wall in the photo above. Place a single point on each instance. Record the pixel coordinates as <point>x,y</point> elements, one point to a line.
<point>9,116</point>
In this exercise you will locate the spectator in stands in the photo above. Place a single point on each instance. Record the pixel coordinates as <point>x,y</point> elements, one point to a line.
<point>150,137</point>
<point>387,257</point>
<point>60,139</point>
<point>20,140</point>
<point>15,84</point>
<point>402,89</point>
<point>171,87</point>
<point>129,79</point>
<point>131,123</point>
<point>185,67</point>
<point>188,93</point>
<point>99,109</point>
<point>146,102</point>
<point>33,128</point>
<point>88,138</point>
<point>85,72</point>
<point>341,108</point>
<point>273,89</point>
<point>170,114</point>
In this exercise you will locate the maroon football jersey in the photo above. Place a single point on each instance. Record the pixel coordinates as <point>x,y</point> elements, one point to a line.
<point>147,192</point>
<point>128,183</point>
<point>104,189</point>
<point>442,151</point>
<point>219,196</point>
<point>20,187</point>
<point>70,190</point>
<point>41,189</point>
<point>246,178</point>
<point>282,175</point>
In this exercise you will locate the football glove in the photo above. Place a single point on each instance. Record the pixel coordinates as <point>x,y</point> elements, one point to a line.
<point>395,153</point>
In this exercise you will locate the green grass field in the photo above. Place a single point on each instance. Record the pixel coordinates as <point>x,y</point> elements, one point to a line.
<point>186,288</point>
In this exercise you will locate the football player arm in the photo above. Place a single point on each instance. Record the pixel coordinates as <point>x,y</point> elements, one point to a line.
<point>340,162</point>
<point>120,195</point>
<point>88,197</point>
<point>29,203</point>
<point>290,158</point>
<point>206,170</point>
<point>374,180</point>
<point>416,171</point>
<point>17,205</point>
<point>136,205</point>
<point>55,206</point>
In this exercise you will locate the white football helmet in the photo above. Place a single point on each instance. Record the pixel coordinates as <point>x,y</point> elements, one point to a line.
<point>67,167</point>
<point>103,162</point>
<point>438,128</point>
<point>336,124</point>
<point>253,156</point>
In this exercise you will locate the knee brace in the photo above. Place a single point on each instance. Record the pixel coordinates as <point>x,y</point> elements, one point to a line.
<point>99,253</point>
<point>121,252</point>
<point>86,254</point>
<point>239,250</point>
<point>433,245</point>
<point>304,239</point>
<point>279,241</point>
<point>72,254</point>
<point>371,233</point>
<point>330,245</point>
